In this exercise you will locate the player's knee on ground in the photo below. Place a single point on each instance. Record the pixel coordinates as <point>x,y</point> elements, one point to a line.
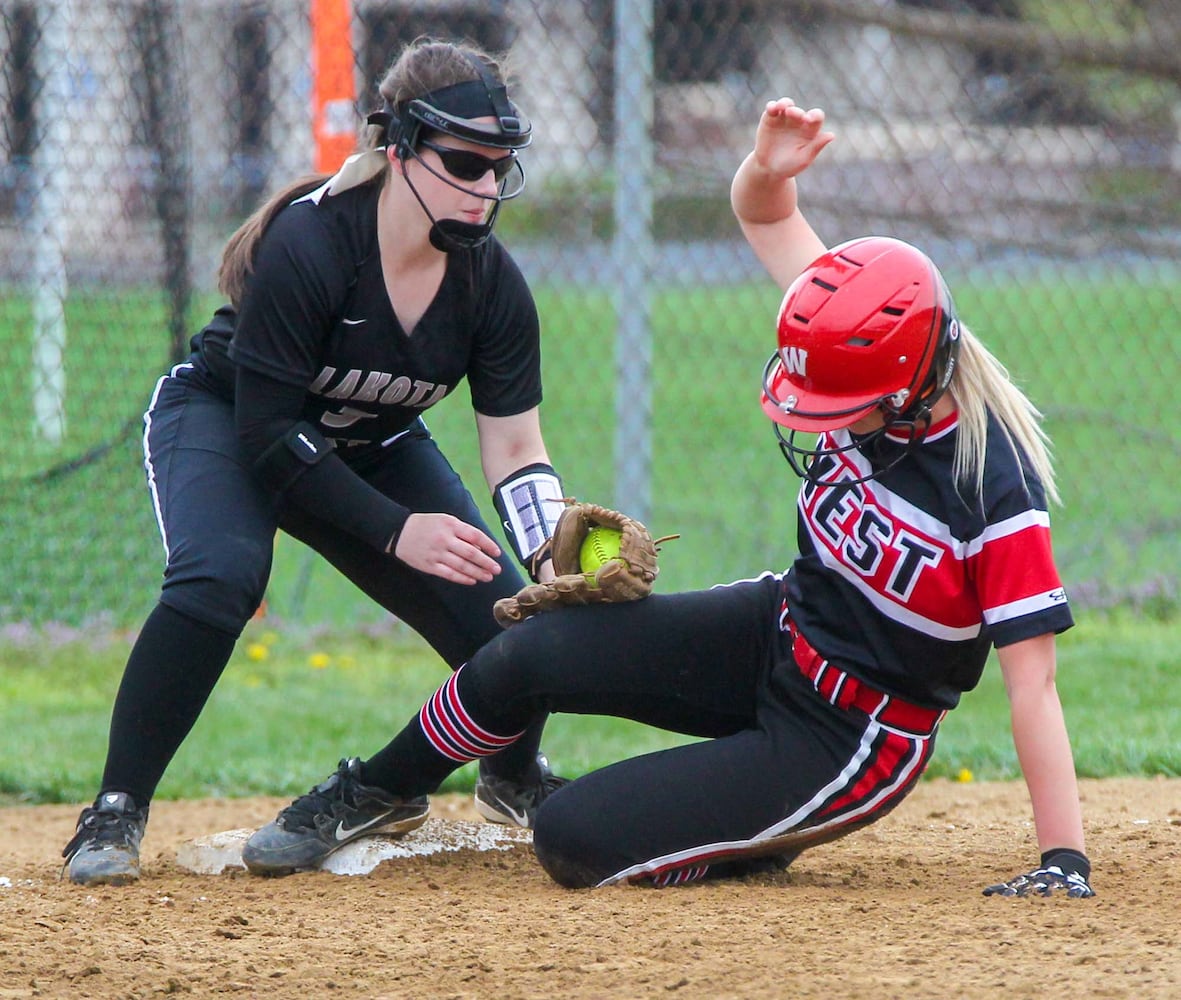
<point>566,840</point>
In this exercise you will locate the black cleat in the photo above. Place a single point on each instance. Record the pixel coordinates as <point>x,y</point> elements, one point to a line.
<point>500,800</point>
<point>105,847</point>
<point>334,813</point>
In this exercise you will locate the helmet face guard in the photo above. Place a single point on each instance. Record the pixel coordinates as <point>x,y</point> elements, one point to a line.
<point>451,111</point>
<point>868,327</point>
<point>803,460</point>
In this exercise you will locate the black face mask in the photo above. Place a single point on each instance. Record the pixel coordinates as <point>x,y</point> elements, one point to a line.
<point>465,165</point>
<point>454,111</point>
<point>451,234</point>
<point>883,453</point>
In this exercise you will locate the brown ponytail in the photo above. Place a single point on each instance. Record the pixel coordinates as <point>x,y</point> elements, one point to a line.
<point>237,259</point>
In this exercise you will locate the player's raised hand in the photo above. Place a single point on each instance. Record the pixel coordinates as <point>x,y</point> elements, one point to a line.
<point>789,138</point>
<point>447,547</point>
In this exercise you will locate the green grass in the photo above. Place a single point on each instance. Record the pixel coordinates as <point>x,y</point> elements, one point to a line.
<point>85,542</point>
<point>1075,354</point>
<point>277,725</point>
<point>116,347</point>
<point>718,479</point>
<point>272,726</point>
<point>1115,678</point>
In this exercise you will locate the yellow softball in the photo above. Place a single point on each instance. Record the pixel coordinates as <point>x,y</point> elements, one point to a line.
<point>600,545</point>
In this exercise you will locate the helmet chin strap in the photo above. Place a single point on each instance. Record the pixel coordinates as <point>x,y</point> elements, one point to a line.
<point>809,464</point>
<point>447,235</point>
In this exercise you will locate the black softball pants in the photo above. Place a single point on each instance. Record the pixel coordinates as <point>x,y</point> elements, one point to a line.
<point>781,769</point>
<point>218,527</point>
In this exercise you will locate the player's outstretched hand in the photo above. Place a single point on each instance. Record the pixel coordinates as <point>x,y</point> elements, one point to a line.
<point>789,138</point>
<point>1061,874</point>
<point>449,548</point>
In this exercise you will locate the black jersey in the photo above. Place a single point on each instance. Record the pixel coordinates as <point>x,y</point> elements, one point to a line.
<point>316,314</point>
<point>906,584</point>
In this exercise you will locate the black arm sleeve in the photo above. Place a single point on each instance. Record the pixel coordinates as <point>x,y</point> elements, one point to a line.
<point>266,411</point>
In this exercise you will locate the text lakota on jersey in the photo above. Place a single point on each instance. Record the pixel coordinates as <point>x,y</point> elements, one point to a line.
<point>382,388</point>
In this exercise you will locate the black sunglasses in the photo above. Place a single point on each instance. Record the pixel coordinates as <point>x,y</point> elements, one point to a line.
<point>469,166</point>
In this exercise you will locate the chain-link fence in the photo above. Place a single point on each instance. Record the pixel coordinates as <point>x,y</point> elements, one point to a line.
<point>1033,147</point>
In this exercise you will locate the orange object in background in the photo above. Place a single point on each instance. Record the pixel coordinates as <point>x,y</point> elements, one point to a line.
<point>333,84</point>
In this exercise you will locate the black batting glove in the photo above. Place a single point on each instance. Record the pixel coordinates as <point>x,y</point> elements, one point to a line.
<point>1062,872</point>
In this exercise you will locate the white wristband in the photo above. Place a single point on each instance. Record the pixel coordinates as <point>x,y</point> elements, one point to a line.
<point>529,503</point>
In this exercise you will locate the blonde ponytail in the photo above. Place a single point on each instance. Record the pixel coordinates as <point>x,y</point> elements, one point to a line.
<point>981,383</point>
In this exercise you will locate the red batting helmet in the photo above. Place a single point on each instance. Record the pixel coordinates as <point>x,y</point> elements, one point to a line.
<point>868,325</point>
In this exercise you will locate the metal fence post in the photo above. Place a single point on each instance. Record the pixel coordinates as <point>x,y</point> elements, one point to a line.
<point>50,223</point>
<point>632,253</point>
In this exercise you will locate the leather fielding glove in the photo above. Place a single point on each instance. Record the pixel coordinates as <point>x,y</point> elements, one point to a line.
<point>626,577</point>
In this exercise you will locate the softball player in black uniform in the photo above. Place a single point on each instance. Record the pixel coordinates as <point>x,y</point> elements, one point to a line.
<point>359,301</point>
<point>923,542</point>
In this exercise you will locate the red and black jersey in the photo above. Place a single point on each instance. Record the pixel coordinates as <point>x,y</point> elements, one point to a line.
<point>316,314</point>
<point>907,583</point>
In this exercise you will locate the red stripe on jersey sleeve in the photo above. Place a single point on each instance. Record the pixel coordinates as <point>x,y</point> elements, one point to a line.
<point>1013,567</point>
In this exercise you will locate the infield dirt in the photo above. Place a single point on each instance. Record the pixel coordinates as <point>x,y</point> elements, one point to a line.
<point>894,911</point>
